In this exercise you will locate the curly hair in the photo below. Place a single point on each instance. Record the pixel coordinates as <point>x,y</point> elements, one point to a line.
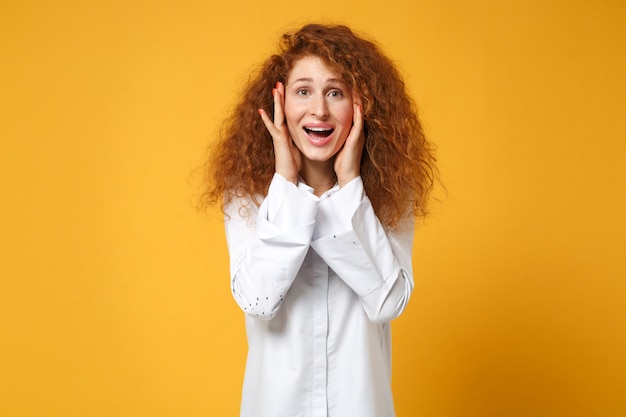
<point>397,165</point>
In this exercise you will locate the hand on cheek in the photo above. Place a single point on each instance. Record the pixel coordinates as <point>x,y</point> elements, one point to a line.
<point>348,161</point>
<point>288,158</point>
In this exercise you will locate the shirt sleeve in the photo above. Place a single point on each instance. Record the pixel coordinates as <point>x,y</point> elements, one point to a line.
<point>268,244</point>
<point>375,264</point>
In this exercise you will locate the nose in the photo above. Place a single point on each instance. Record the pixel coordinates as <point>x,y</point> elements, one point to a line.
<point>319,107</point>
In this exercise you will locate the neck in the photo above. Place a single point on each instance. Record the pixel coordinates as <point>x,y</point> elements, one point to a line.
<point>318,175</point>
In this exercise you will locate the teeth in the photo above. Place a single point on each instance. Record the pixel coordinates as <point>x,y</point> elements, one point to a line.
<point>318,129</point>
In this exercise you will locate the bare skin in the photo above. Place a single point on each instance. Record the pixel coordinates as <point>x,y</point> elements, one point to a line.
<point>342,164</point>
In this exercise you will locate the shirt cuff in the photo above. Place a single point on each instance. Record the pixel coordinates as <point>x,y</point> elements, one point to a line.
<point>289,207</point>
<point>346,201</point>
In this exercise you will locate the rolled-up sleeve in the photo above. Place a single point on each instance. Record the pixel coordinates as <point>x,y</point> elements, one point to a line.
<point>375,264</point>
<point>268,245</point>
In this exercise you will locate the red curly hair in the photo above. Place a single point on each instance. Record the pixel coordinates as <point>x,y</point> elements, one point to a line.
<point>397,165</point>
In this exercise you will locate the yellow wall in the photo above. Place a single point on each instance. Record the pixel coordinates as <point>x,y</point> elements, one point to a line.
<point>114,297</point>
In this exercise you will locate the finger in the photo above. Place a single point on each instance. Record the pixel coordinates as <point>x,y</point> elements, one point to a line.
<point>358,114</point>
<point>279,102</point>
<point>269,124</point>
<point>357,124</point>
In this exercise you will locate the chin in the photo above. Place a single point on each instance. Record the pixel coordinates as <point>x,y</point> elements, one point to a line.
<point>317,156</point>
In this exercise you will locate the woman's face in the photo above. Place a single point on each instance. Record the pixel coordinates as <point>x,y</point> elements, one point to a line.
<point>318,109</point>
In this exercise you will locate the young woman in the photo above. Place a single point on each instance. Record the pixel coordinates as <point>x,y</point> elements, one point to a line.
<point>321,169</point>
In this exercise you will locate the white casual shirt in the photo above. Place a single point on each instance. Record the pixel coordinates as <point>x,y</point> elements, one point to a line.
<point>319,281</point>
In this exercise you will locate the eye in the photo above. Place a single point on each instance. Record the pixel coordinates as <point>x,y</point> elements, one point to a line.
<point>335,93</point>
<point>302,92</point>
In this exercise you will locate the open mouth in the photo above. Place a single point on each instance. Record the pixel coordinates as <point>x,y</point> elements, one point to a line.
<point>318,132</point>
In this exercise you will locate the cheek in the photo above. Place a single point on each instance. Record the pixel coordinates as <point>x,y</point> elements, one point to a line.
<point>291,112</point>
<point>345,126</point>
<point>291,119</point>
<point>346,117</point>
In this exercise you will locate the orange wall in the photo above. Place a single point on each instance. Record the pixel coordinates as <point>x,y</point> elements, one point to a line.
<point>114,297</point>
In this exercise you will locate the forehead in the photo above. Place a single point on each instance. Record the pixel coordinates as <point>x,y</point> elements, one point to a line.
<point>313,68</point>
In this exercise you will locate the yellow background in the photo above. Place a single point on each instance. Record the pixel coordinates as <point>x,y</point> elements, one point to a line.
<point>114,295</point>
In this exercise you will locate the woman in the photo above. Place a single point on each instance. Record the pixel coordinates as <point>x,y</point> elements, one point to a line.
<point>319,200</point>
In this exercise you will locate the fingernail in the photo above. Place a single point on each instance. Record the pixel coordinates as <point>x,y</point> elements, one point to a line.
<point>260,112</point>
<point>277,84</point>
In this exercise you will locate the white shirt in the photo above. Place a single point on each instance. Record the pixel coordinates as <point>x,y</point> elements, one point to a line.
<point>319,281</point>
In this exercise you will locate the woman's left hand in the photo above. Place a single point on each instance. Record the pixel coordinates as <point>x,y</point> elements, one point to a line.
<point>348,160</point>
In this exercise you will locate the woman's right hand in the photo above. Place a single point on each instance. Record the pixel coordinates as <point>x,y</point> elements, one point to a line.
<point>288,157</point>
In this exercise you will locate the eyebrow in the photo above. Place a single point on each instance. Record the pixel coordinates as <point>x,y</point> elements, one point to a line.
<point>310,80</point>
